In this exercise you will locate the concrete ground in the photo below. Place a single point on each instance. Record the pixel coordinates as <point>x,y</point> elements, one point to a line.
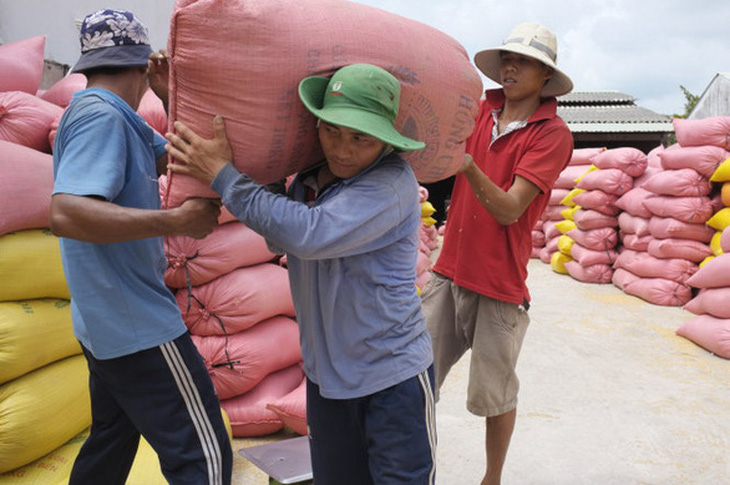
<point>609,396</point>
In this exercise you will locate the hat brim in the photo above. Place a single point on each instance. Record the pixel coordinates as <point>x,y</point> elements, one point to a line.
<point>488,61</point>
<point>114,56</point>
<point>311,92</point>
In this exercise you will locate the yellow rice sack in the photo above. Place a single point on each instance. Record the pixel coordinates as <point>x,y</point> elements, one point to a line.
<point>34,333</point>
<point>715,244</point>
<point>565,245</point>
<point>30,265</point>
<point>568,199</point>
<point>42,410</point>
<point>722,172</point>
<point>720,220</point>
<point>569,212</point>
<point>565,226</point>
<point>557,262</point>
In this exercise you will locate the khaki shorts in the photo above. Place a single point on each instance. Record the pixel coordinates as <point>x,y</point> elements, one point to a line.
<point>459,319</point>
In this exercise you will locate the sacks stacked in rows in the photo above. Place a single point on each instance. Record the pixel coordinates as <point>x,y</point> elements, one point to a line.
<point>550,227</point>
<point>238,307</point>
<point>43,378</point>
<point>596,215</point>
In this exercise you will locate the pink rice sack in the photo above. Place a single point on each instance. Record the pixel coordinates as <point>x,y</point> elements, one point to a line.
<point>239,361</point>
<point>26,183</point>
<point>679,248</point>
<point>652,158</point>
<point>583,156</point>
<point>695,210</point>
<point>588,257</point>
<point>636,243</point>
<point>707,131</point>
<point>197,261</point>
<point>270,45</point>
<point>703,159</point>
<point>249,414</point>
<point>63,90</point>
<point>645,265</point>
<point>556,195</point>
<point>598,200</point>
<point>633,202</point>
<point>631,161</point>
<point>659,291</point>
<point>225,216</point>
<point>597,273</point>
<point>668,227</point>
<point>713,334</point>
<point>684,182</point>
<point>725,240</point>
<point>26,120</point>
<point>21,65</point>
<point>633,225</point>
<point>566,178</point>
<point>553,212</point>
<point>237,300</point>
<point>621,278</point>
<point>713,274</point>
<point>292,408</point>
<point>611,181</point>
<point>712,301</point>
<point>597,239</point>
<point>538,239</point>
<point>152,111</point>
<point>590,219</point>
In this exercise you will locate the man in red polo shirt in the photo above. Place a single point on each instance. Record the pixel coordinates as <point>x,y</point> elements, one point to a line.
<point>478,298</point>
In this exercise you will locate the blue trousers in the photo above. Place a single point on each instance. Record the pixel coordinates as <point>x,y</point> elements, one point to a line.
<point>166,395</point>
<point>385,438</point>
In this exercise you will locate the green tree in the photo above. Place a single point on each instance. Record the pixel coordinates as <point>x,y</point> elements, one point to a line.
<point>690,101</point>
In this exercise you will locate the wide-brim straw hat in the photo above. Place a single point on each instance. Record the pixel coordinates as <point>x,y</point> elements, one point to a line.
<point>531,40</point>
<point>361,97</point>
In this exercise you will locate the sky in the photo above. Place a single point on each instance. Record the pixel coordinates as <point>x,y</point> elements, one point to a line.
<point>644,48</point>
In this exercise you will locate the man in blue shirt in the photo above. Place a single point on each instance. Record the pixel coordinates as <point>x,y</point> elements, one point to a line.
<point>350,231</point>
<point>146,376</point>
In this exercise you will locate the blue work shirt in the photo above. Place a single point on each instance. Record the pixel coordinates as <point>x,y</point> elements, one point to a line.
<point>119,301</point>
<point>352,269</point>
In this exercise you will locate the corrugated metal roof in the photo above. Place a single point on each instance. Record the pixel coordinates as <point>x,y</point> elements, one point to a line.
<point>620,118</point>
<point>596,98</point>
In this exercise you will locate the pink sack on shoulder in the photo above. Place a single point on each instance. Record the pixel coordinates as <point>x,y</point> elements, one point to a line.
<point>271,45</point>
<point>62,91</point>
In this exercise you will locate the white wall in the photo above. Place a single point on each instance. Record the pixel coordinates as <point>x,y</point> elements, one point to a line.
<point>715,101</point>
<point>20,19</point>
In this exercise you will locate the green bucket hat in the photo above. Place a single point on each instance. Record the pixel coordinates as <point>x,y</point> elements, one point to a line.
<point>361,97</point>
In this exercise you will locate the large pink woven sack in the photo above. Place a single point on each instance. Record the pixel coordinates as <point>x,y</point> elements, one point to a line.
<point>684,182</point>
<point>636,243</point>
<point>708,332</point>
<point>597,273</point>
<point>26,120</point>
<point>694,210</point>
<point>249,413</point>
<point>63,90</point>
<point>590,219</point>
<point>197,261</point>
<point>725,240</point>
<point>598,200</point>
<point>712,301</point>
<point>597,239</point>
<point>588,257</point>
<point>679,248</point>
<point>292,408</point>
<point>703,159</point>
<point>633,202</point>
<point>239,361</point>
<point>583,156</point>
<point>631,161</point>
<point>645,265</point>
<point>611,180</point>
<point>669,227</point>
<point>659,291</point>
<point>633,225</point>
<point>708,131</point>
<point>21,65</point>
<point>153,112</point>
<point>566,178</point>
<point>237,300</point>
<point>26,183</point>
<point>713,274</point>
<point>270,45</point>
<point>621,278</point>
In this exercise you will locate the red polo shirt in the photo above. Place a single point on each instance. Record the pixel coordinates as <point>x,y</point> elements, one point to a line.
<point>478,253</point>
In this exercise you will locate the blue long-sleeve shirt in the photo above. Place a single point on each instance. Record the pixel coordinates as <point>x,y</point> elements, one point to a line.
<point>352,268</point>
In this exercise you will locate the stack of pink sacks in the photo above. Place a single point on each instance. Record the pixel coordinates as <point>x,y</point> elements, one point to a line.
<point>43,377</point>
<point>711,327</point>
<point>596,219</point>
<point>548,231</point>
<point>236,302</point>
